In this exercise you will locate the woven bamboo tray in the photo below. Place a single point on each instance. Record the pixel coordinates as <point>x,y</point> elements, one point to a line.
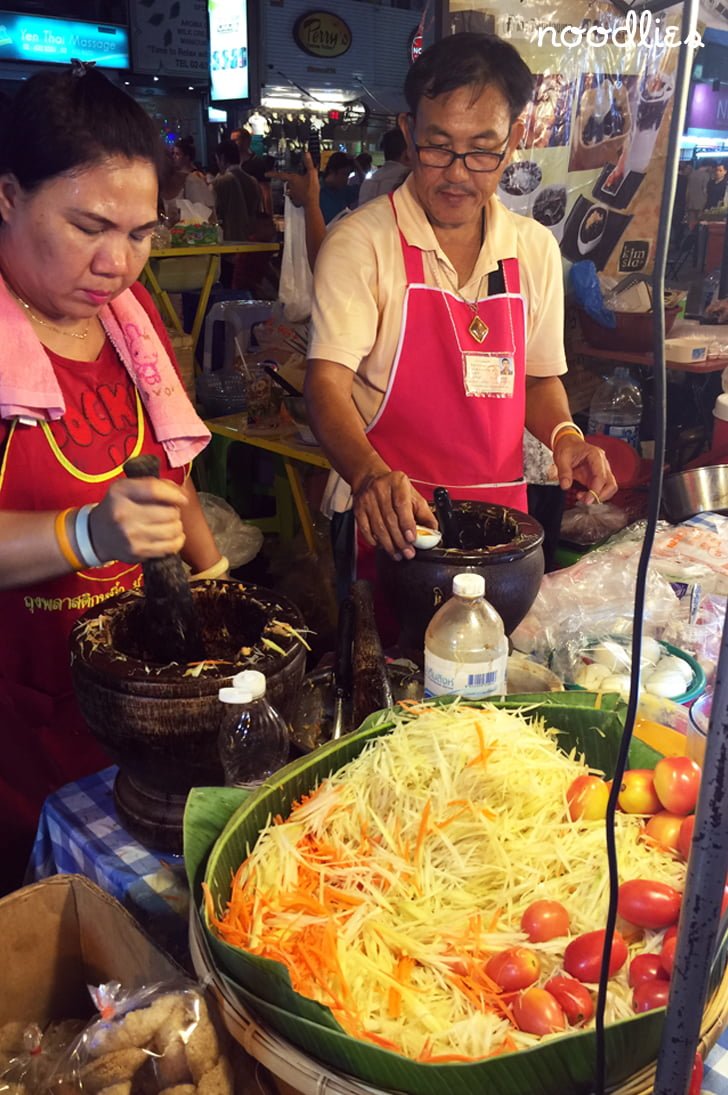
<point>302,1075</point>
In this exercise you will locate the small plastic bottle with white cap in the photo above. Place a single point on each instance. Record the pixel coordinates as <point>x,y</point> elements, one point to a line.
<point>253,739</point>
<point>466,650</point>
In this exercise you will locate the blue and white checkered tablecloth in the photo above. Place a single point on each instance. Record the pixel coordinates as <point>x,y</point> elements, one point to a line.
<point>79,832</point>
<point>715,1080</point>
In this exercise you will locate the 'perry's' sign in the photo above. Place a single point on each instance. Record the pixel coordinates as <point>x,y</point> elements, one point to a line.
<point>322,34</point>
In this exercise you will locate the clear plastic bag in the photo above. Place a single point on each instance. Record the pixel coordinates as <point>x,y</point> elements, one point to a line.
<point>29,1056</point>
<point>235,539</point>
<point>592,599</point>
<point>591,524</point>
<point>157,1040</point>
<point>296,282</point>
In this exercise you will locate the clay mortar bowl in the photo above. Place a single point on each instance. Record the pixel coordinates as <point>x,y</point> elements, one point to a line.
<point>160,723</point>
<point>503,544</point>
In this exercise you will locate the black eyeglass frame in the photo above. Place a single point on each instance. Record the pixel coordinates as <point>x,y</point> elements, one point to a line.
<point>464,156</point>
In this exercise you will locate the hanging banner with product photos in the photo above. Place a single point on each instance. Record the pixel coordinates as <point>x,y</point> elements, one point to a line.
<point>591,163</point>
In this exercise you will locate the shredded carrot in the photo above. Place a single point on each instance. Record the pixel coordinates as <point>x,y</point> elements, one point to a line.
<point>391,883</point>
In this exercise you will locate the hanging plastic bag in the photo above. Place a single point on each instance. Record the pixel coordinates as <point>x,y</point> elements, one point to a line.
<point>589,525</point>
<point>296,282</point>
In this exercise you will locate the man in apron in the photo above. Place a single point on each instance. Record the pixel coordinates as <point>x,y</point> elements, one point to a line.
<point>437,324</point>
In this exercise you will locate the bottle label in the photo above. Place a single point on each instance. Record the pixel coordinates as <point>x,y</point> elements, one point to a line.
<point>474,679</point>
<point>630,434</point>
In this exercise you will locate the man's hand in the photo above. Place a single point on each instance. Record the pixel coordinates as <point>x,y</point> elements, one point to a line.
<point>303,190</point>
<point>586,464</point>
<point>387,509</point>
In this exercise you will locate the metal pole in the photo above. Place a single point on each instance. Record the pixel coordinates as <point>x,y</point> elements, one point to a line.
<point>701,902</point>
<point>441,27</point>
<point>723,286</point>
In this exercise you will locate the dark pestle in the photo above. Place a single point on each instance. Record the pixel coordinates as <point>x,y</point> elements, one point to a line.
<point>371,689</point>
<point>445,517</point>
<point>171,627</point>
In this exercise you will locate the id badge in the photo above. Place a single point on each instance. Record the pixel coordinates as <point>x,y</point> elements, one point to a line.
<point>489,375</point>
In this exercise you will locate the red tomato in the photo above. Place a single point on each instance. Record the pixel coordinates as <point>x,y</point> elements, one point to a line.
<point>575,1000</point>
<point>583,956</point>
<point>667,954</point>
<point>677,782</point>
<point>587,797</point>
<point>664,829</point>
<point>650,994</point>
<point>537,1012</point>
<point>646,967</point>
<point>544,920</point>
<point>686,836</point>
<point>696,1076</point>
<point>637,794</point>
<point>653,905</point>
<point>513,969</point>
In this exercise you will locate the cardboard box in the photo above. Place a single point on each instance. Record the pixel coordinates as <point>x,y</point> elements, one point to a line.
<point>62,934</point>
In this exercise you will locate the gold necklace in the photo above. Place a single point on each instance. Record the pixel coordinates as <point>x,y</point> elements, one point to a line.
<point>477,328</point>
<point>51,326</point>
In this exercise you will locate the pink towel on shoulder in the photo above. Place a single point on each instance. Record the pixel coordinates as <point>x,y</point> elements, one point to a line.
<point>28,384</point>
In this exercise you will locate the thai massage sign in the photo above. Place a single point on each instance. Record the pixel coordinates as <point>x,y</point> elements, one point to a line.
<point>322,34</point>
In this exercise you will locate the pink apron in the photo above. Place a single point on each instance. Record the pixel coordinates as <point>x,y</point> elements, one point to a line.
<point>453,414</point>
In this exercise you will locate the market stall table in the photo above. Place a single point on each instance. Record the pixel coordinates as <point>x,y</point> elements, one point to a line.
<point>700,372</point>
<point>213,252</point>
<point>283,441</point>
<point>80,833</point>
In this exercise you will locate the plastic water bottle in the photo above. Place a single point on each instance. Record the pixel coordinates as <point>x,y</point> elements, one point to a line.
<point>466,650</point>
<point>616,408</point>
<point>253,741</point>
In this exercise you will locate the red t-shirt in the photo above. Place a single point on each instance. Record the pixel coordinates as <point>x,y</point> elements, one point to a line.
<point>43,740</point>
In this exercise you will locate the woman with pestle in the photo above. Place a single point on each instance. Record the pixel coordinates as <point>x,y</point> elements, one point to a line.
<point>87,380</point>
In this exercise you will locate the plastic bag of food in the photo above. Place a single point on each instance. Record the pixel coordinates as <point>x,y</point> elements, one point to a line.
<point>159,1040</point>
<point>235,539</point>
<point>29,1056</point>
<point>591,599</point>
<point>591,524</point>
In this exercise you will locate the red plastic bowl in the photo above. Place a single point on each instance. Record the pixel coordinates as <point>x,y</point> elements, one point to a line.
<point>633,333</point>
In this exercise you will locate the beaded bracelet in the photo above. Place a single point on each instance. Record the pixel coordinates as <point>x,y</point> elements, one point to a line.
<point>83,537</point>
<point>564,427</point>
<point>64,541</point>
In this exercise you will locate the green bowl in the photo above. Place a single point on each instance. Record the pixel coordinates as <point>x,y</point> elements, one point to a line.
<point>562,1066</point>
<point>697,684</point>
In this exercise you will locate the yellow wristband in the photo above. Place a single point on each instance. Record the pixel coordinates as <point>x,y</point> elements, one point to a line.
<point>63,540</point>
<point>217,570</point>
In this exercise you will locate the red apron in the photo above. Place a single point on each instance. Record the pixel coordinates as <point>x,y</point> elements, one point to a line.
<point>45,743</point>
<point>449,417</point>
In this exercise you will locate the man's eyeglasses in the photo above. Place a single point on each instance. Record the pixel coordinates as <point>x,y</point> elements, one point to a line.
<point>438,156</point>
